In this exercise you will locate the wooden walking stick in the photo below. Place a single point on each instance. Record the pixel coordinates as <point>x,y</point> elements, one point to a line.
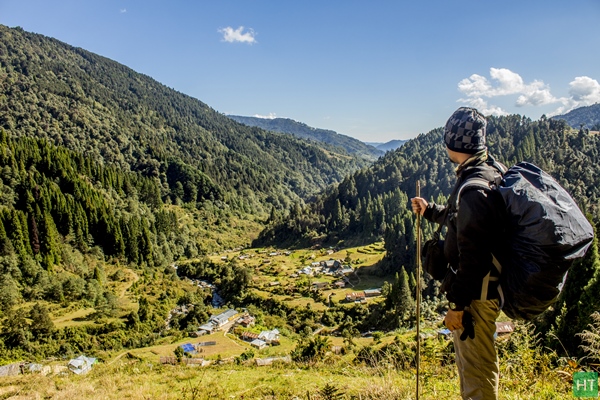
<point>418,290</point>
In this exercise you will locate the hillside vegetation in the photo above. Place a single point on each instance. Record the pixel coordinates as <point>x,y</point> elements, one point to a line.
<point>114,115</point>
<point>587,117</point>
<point>286,125</point>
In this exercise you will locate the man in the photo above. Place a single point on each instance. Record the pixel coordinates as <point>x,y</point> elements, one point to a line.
<point>475,225</point>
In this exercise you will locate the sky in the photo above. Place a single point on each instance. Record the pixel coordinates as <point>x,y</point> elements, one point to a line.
<point>374,70</point>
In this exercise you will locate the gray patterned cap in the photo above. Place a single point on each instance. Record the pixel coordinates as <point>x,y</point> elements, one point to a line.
<point>465,131</point>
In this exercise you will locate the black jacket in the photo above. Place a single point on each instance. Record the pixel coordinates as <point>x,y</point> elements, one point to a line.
<point>473,233</point>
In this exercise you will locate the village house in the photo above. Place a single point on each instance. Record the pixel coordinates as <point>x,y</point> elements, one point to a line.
<point>249,336</point>
<point>344,270</point>
<point>246,320</point>
<point>372,292</point>
<point>331,264</point>
<point>206,329</point>
<point>319,285</point>
<point>270,337</point>
<point>339,284</point>
<point>306,271</point>
<point>221,319</point>
<point>258,344</point>
<point>216,322</point>
<point>81,364</point>
<point>355,296</point>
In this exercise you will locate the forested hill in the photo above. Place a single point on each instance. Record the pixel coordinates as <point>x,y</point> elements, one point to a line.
<point>301,130</point>
<point>373,203</point>
<point>588,116</point>
<point>114,116</point>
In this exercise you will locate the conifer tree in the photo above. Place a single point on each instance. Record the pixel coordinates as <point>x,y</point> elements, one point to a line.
<point>406,302</point>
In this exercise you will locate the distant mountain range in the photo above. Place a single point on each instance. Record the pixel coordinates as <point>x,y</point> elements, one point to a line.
<point>588,116</point>
<point>370,151</point>
<point>388,146</point>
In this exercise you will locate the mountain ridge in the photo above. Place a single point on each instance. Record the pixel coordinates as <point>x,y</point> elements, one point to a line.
<point>388,146</point>
<point>302,130</point>
<point>587,116</point>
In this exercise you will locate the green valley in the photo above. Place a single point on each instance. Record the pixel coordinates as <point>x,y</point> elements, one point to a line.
<point>135,219</point>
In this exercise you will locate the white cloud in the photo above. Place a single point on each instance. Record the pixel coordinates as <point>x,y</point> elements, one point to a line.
<point>237,35</point>
<point>123,10</point>
<point>585,90</point>
<point>505,82</point>
<point>474,86</point>
<point>270,116</point>
<point>508,82</point>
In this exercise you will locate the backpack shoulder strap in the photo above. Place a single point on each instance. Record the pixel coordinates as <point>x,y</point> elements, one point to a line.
<point>472,182</point>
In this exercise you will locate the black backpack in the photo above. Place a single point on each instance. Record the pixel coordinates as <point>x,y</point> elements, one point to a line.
<point>547,232</point>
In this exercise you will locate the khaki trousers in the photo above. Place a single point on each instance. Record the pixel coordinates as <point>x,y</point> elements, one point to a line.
<point>476,359</point>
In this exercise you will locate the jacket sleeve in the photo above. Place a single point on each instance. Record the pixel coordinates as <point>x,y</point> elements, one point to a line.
<point>477,228</point>
<point>435,213</point>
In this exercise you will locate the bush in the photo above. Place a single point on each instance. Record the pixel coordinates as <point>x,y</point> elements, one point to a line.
<point>591,339</point>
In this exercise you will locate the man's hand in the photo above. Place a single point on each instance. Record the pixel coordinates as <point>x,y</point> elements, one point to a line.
<point>453,320</point>
<point>419,205</point>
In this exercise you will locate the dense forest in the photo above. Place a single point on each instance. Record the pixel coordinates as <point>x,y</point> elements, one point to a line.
<point>374,202</point>
<point>113,115</point>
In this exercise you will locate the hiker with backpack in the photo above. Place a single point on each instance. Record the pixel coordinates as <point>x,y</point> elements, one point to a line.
<point>512,235</point>
<point>475,231</point>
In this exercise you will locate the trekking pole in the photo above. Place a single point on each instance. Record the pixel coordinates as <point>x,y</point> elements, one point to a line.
<point>418,294</point>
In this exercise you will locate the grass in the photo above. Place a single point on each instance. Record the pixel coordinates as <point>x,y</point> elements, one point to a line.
<point>75,318</point>
<point>225,346</point>
<point>138,379</point>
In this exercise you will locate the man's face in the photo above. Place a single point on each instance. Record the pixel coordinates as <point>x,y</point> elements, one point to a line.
<point>453,156</point>
<point>456,157</point>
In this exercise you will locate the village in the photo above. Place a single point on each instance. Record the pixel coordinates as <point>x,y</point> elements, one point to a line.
<point>231,328</point>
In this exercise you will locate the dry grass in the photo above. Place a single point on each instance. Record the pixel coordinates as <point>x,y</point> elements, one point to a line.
<point>141,380</point>
<point>75,318</point>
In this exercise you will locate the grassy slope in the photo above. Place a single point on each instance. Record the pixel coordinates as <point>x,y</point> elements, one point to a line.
<point>133,378</point>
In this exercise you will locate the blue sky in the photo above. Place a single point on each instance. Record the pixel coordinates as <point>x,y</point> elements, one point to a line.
<point>373,70</point>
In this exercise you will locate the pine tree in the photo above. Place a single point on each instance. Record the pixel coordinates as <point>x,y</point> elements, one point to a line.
<point>406,303</point>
